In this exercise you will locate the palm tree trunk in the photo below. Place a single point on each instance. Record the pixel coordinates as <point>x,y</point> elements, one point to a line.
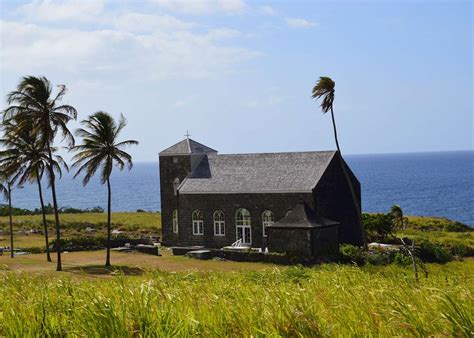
<point>45,225</point>
<point>12,255</point>
<point>55,207</point>
<point>349,182</point>
<point>109,206</point>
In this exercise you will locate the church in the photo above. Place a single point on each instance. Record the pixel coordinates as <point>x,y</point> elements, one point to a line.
<point>213,200</point>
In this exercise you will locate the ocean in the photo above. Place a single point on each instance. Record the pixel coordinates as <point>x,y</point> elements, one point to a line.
<point>429,184</point>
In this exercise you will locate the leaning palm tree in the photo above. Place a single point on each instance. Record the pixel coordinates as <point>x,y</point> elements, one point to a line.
<point>34,107</point>
<point>324,89</point>
<point>399,220</point>
<point>23,149</point>
<point>101,150</point>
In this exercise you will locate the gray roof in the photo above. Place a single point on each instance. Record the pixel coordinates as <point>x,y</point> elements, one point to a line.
<point>258,173</point>
<point>187,146</point>
<point>303,216</point>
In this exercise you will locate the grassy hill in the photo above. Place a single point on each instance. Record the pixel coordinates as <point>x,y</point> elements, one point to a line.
<point>328,300</point>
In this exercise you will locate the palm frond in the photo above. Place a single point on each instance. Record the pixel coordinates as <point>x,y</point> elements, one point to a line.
<point>324,89</point>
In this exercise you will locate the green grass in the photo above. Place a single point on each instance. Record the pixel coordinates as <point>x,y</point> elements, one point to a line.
<point>329,300</point>
<point>132,220</point>
<point>133,223</point>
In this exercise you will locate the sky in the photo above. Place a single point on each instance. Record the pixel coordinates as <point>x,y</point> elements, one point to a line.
<point>238,74</point>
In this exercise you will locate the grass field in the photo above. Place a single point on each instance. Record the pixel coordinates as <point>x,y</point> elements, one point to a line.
<point>149,296</point>
<point>134,223</point>
<point>91,263</point>
<point>258,300</point>
<point>119,219</point>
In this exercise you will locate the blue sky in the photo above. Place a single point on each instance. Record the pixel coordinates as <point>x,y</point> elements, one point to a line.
<point>238,74</point>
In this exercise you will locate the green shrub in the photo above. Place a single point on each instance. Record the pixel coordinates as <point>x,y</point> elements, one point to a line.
<point>378,226</point>
<point>401,259</point>
<point>350,253</point>
<point>433,253</point>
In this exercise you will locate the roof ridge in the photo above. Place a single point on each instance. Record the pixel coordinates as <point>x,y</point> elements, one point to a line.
<point>282,153</point>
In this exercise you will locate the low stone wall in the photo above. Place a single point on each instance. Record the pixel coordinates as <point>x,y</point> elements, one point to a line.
<point>246,256</point>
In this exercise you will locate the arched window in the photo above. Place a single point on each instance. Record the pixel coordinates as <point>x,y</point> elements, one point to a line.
<point>267,220</point>
<point>243,228</point>
<point>198,223</point>
<point>242,217</point>
<point>175,186</point>
<point>175,221</point>
<point>219,223</point>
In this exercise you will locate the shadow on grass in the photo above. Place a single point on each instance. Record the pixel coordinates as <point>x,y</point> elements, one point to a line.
<point>101,270</point>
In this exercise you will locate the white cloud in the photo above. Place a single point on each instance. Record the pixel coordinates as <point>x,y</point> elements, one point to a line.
<point>223,33</point>
<point>154,54</point>
<point>136,22</point>
<point>267,10</point>
<point>203,7</point>
<point>56,10</point>
<point>300,23</point>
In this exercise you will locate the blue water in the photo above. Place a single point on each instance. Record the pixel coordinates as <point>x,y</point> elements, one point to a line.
<point>431,184</point>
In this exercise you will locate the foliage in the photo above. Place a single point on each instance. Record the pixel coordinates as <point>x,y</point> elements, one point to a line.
<point>48,209</point>
<point>330,300</point>
<point>402,259</point>
<point>378,226</point>
<point>350,253</point>
<point>433,253</point>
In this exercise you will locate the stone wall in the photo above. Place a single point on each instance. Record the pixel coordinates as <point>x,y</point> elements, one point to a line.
<point>333,200</point>
<point>256,204</point>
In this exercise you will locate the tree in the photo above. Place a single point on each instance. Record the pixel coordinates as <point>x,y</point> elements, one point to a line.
<point>34,107</point>
<point>101,150</point>
<point>23,149</point>
<point>7,180</point>
<point>399,221</point>
<point>324,89</point>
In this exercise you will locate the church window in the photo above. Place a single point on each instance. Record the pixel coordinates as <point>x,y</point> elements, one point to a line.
<point>198,223</point>
<point>267,220</point>
<point>175,159</point>
<point>175,186</point>
<point>242,217</point>
<point>219,223</point>
<point>175,221</point>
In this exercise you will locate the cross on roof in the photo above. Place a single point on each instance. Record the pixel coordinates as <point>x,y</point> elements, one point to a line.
<point>187,134</point>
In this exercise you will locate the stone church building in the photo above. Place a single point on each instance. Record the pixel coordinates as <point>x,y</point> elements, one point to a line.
<point>213,200</point>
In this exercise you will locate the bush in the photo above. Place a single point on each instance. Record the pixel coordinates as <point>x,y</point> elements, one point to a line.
<point>350,253</point>
<point>434,253</point>
<point>378,226</point>
<point>401,259</point>
<point>461,250</point>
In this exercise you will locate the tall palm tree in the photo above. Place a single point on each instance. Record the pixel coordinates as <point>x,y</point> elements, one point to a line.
<point>101,150</point>
<point>324,89</point>
<point>7,180</point>
<point>33,105</point>
<point>23,149</point>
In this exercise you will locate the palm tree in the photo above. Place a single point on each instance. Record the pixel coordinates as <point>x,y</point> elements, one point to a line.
<point>101,150</point>
<point>324,89</point>
<point>35,108</point>
<point>399,221</point>
<point>7,180</point>
<point>23,149</point>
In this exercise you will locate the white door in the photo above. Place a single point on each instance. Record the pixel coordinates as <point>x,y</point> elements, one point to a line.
<point>245,234</point>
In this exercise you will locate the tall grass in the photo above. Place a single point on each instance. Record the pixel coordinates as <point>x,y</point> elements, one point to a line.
<point>324,301</point>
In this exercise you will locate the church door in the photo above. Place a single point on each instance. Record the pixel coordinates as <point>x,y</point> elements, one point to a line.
<point>245,234</point>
